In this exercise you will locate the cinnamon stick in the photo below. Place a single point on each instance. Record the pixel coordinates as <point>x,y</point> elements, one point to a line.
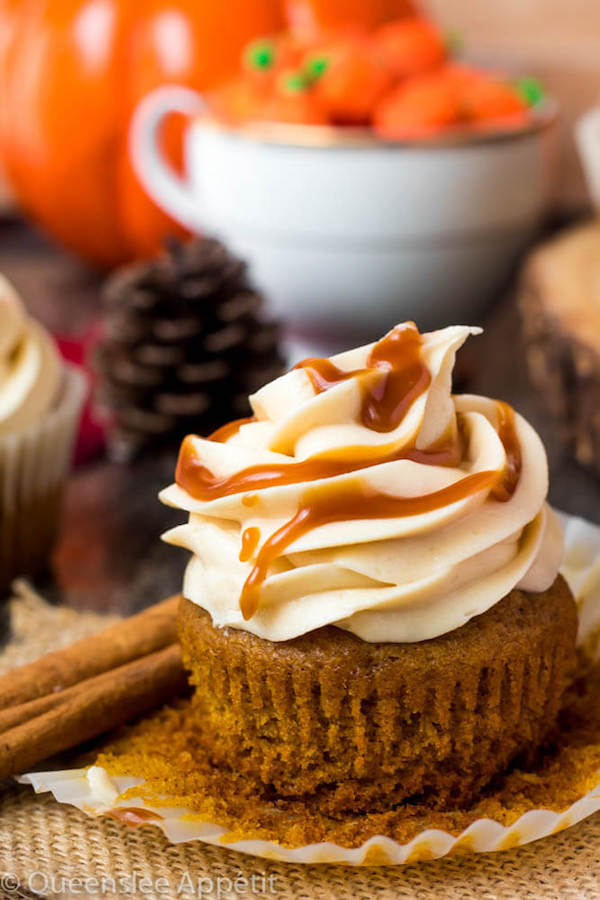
<point>90,708</point>
<point>16,715</point>
<point>130,639</point>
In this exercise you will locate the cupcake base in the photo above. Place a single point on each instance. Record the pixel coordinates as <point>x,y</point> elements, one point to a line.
<point>362,727</point>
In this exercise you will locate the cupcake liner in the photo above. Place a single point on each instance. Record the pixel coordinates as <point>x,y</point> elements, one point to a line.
<point>265,700</point>
<point>33,468</point>
<point>96,793</point>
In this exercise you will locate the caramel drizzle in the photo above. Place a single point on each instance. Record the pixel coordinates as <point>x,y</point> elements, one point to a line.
<point>250,539</point>
<point>134,815</point>
<point>201,484</point>
<point>394,378</point>
<point>222,434</point>
<point>507,433</point>
<point>335,503</point>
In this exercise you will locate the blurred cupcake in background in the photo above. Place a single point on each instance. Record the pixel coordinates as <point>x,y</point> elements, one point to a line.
<point>587,134</point>
<point>559,297</point>
<point>40,405</point>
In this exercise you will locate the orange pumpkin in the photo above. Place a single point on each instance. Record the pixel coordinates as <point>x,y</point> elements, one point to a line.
<point>71,73</point>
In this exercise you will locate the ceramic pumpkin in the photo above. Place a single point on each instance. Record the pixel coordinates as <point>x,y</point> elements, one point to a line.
<point>72,72</point>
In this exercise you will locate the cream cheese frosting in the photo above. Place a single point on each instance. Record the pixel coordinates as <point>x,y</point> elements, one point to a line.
<point>364,494</point>
<point>30,370</point>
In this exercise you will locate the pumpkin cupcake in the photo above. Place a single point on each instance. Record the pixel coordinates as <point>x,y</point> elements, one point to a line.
<point>40,404</point>
<point>372,612</point>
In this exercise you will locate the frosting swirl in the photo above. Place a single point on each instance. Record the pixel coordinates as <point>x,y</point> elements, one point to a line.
<point>364,494</point>
<point>29,365</point>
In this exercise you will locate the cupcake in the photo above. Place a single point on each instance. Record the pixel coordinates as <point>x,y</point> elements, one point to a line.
<point>40,404</point>
<point>372,612</point>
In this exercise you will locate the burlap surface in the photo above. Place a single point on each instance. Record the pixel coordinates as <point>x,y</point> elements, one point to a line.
<point>54,850</point>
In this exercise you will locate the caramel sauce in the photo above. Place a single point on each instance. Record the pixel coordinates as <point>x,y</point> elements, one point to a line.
<point>134,815</point>
<point>400,377</point>
<point>324,374</point>
<point>201,484</point>
<point>332,503</point>
<point>507,485</point>
<point>394,378</point>
<point>226,431</point>
<point>250,539</point>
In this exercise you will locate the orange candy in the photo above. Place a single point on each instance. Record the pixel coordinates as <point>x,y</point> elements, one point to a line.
<point>453,95</point>
<point>314,16</point>
<point>292,103</point>
<point>239,101</point>
<point>267,56</point>
<point>420,108</point>
<point>351,83</point>
<point>254,95</point>
<point>484,100</point>
<point>396,79</point>
<point>409,46</point>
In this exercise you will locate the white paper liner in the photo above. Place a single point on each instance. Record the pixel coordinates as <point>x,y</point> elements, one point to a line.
<point>96,793</point>
<point>33,469</point>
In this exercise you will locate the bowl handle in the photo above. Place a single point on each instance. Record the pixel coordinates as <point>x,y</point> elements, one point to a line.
<point>587,134</point>
<point>168,189</point>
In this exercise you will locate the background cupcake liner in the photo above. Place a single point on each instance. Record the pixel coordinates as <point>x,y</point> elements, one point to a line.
<point>96,793</point>
<point>33,468</point>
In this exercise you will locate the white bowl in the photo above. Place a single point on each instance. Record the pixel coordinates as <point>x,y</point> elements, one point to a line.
<point>347,234</point>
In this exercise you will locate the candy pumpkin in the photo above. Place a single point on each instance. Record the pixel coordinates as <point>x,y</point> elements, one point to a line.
<point>71,73</point>
<point>409,46</point>
<point>351,82</point>
<point>421,108</point>
<point>452,96</point>
<point>312,16</point>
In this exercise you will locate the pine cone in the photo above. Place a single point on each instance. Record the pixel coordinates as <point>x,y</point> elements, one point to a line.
<point>182,348</point>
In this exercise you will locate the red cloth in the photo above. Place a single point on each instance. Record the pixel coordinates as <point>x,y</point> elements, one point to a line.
<point>90,439</point>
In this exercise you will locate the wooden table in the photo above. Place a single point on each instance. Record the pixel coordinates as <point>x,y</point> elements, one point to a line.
<point>110,556</point>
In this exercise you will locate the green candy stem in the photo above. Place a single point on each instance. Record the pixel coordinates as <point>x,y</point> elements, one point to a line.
<point>531,90</point>
<point>454,42</point>
<point>294,83</point>
<point>260,55</point>
<point>315,67</point>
